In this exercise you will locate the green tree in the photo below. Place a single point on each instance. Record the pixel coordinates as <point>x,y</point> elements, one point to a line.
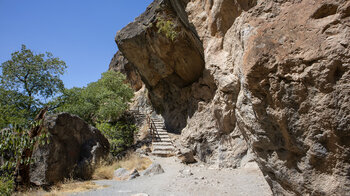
<point>27,80</point>
<point>102,101</point>
<point>120,134</point>
<point>12,108</point>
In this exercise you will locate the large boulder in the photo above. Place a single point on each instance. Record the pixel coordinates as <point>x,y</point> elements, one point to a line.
<point>73,150</point>
<point>168,65</point>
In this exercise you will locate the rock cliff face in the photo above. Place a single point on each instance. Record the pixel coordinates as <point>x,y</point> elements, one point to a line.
<point>265,79</point>
<point>121,64</point>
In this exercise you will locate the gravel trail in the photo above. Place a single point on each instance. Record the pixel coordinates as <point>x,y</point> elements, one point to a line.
<point>191,180</point>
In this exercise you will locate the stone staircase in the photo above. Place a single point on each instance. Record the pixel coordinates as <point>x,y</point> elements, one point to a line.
<point>161,145</point>
<point>161,142</point>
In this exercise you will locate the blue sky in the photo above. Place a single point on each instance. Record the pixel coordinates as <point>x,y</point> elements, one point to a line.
<point>80,32</point>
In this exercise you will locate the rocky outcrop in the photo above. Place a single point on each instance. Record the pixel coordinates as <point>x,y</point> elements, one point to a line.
<point>268,76</point>
<point>121,64</point>
<point>186,156</point>
<point>169,65</point>
<point>73,150</point>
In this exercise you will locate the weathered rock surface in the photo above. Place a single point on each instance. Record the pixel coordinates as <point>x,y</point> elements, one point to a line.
<point>121,64</point>
<point>133,174</point>
<point>153,169</point>
<point>121,174</point>
<point>74,149</point>
<point>268,76</point>
<point>186,156</point>
<point>168,66</point>
<point>124,174</point>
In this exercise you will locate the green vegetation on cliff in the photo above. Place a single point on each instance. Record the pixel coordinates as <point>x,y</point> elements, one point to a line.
<point>166,27</point>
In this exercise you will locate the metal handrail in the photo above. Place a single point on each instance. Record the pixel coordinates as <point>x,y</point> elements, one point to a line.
<point>150,122</point>
<point>152,127</point>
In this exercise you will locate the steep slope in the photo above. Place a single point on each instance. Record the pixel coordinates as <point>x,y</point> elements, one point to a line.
<point>270,77</point>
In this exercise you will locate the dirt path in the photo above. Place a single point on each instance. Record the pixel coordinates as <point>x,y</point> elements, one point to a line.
<point>198,179</point>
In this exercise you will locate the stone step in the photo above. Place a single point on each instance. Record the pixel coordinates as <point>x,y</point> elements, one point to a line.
<point>162,153</point>
<point>158,124</point>
<point>157,139</point>
<point>155,148</point>
<point>165,140</point>
<point>162,143</point>
<point>159,130</point>
<point>163,136</point>
<point>161,133</point>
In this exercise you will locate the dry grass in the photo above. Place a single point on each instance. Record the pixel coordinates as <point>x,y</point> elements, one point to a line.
<point>105,171</point>
<point>130,162</point>
<point>64,188</point>
<point>133,161</point>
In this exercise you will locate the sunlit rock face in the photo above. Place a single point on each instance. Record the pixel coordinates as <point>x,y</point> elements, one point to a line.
<point>168,66</point>
<point>267,80</point>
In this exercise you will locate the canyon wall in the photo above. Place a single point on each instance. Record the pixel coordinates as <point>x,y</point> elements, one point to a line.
<point>243,79</point>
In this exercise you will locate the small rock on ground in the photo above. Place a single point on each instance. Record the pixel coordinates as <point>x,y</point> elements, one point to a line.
<point>154,169</point>
<point>121,174</point>
<point>134,174</point>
